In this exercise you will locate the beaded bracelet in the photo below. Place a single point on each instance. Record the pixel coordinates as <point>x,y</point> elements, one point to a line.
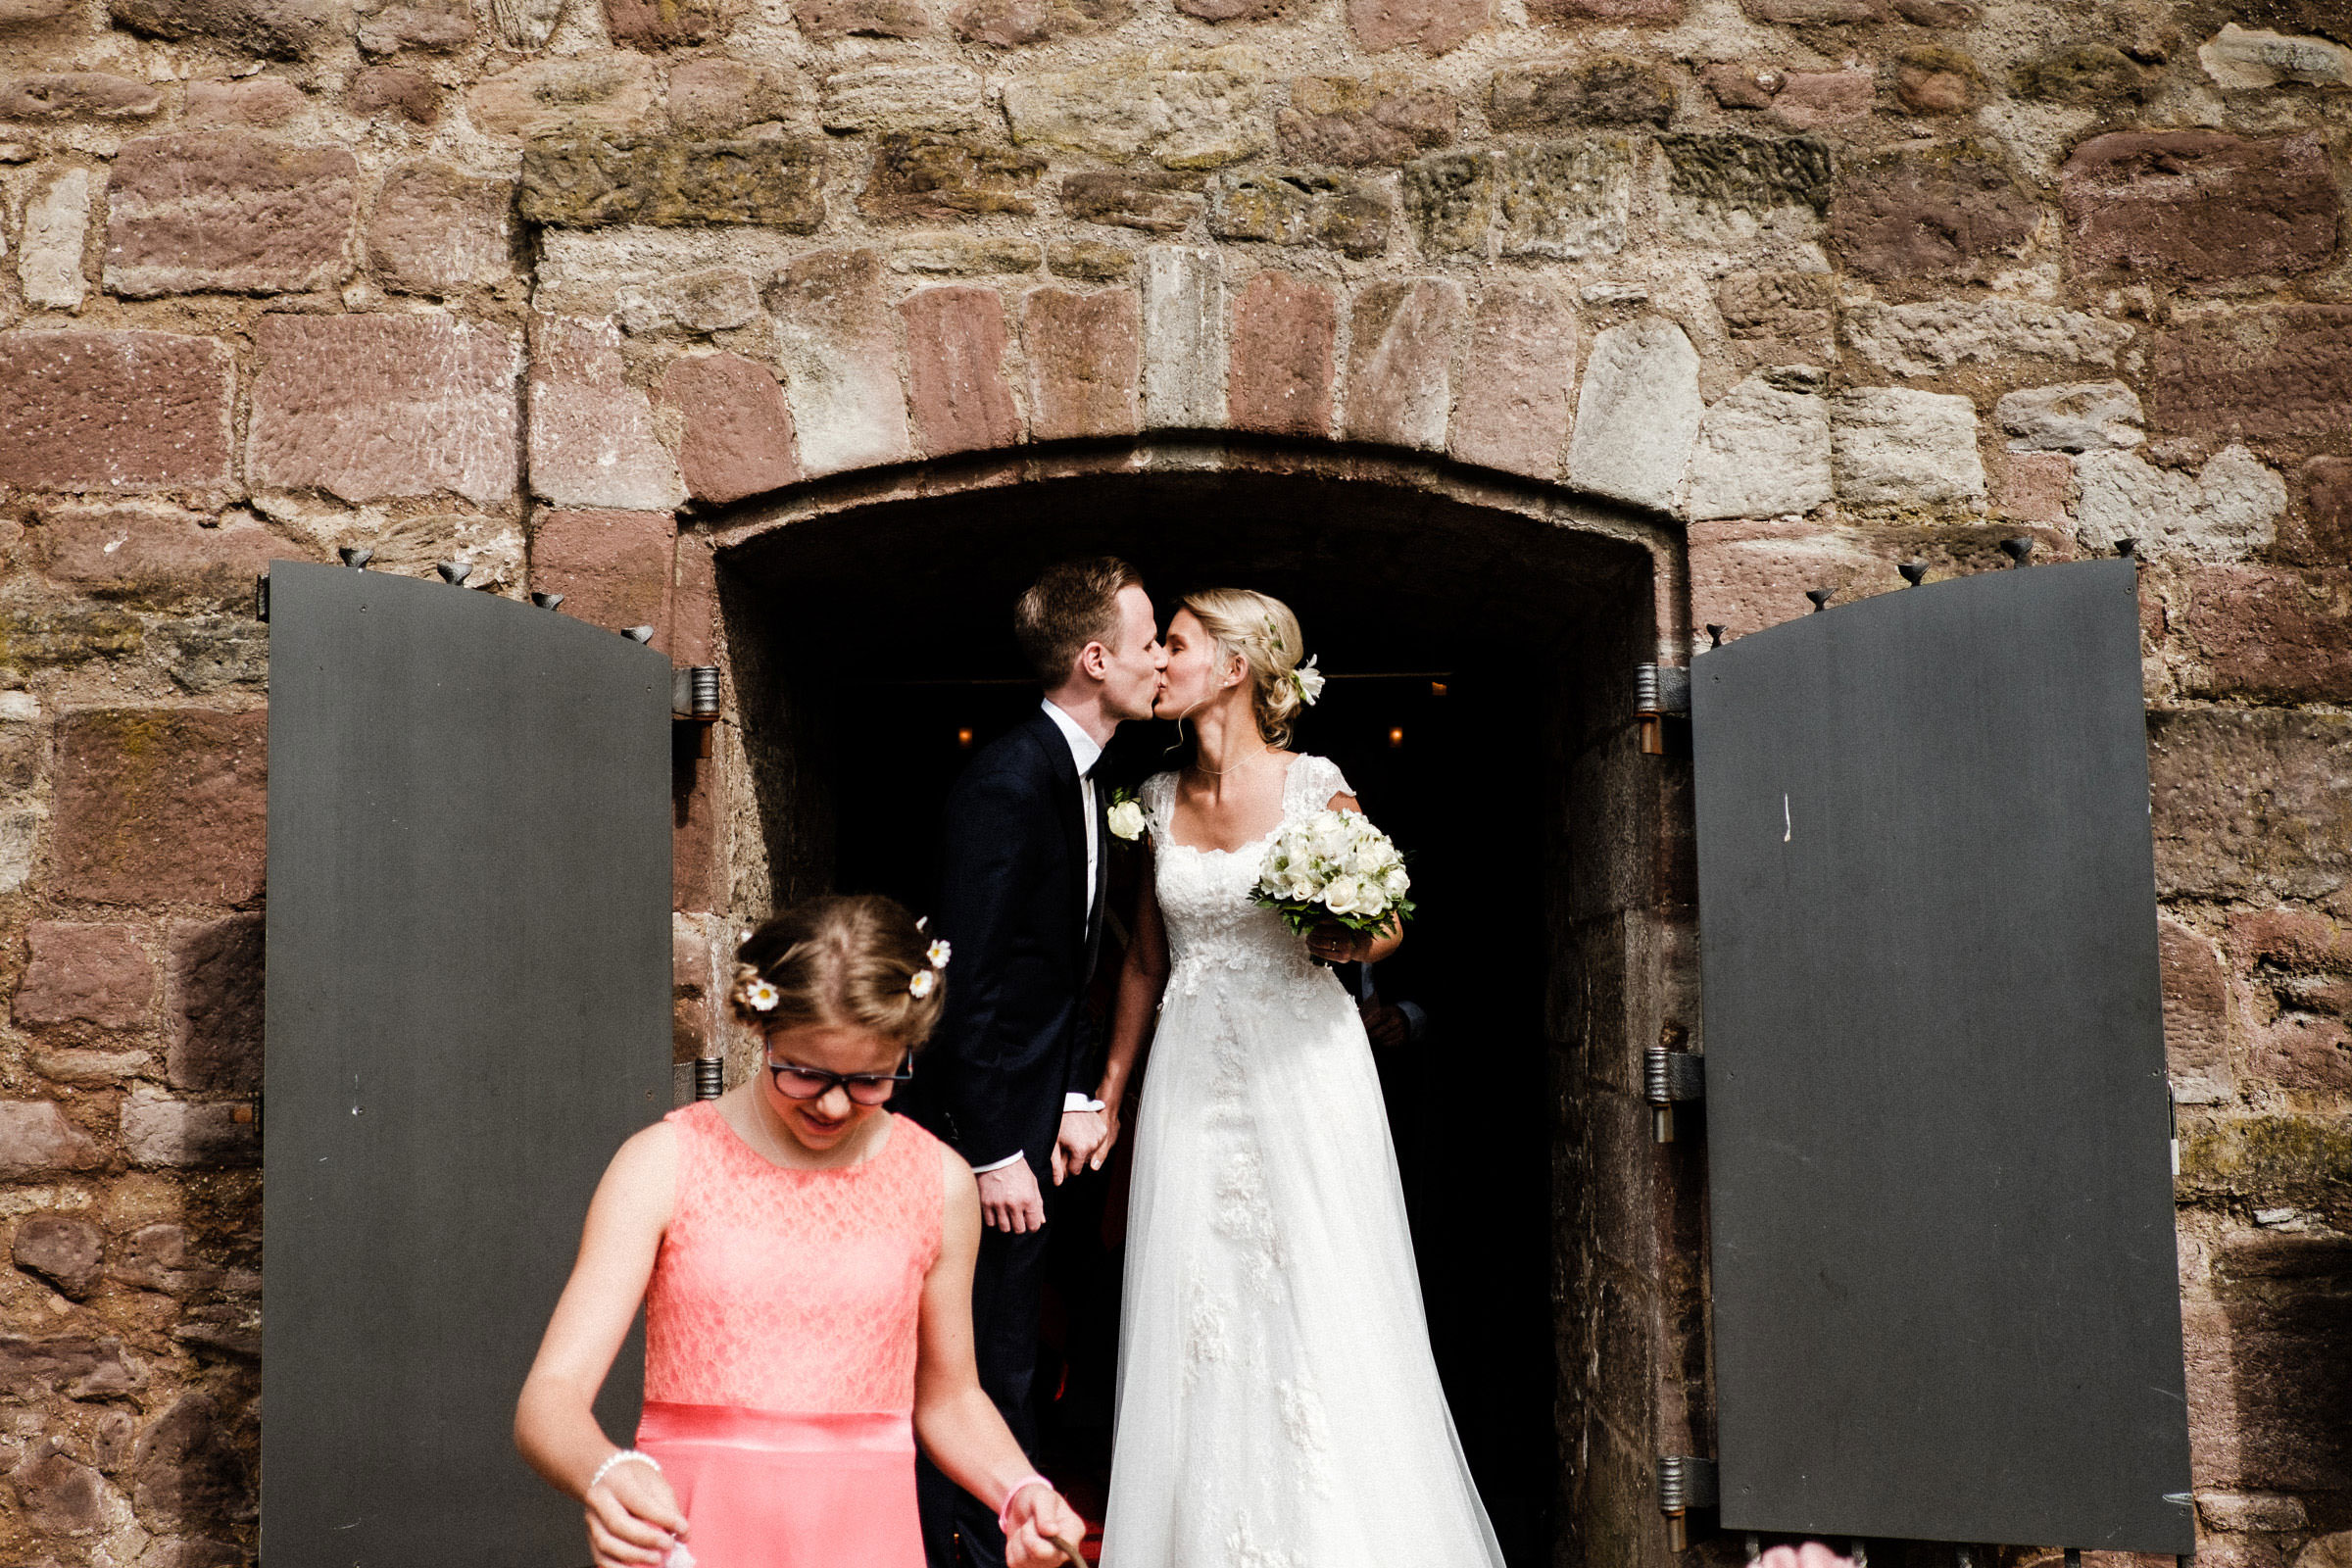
<point>1004,1514</point>
<point>619,1457</point>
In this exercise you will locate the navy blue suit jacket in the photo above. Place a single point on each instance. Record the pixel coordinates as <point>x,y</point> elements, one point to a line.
<point>1014,901</point>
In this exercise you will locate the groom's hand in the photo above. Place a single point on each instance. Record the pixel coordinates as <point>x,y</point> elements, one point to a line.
<point>1009,1198</point>
<point>1083,1133</point>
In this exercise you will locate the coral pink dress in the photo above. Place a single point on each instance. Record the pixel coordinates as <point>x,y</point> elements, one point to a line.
<point>780,1349</point>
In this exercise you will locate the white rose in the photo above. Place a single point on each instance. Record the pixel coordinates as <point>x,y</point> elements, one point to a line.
<point>1304,888</point>
<point>1342,895</point>
<point>1394,882</point>
<point>1126,820</point>
<point>1369,859</point>
<point>1329,836</point>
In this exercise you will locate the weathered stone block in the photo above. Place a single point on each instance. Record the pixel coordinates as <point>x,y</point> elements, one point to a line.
<point>1089,261</point>
<point>2251,60</point>
<point>2087,72</point>
<point>1516,393</point>
<point>2323,532</point>
<point>1452,199</point>
<point>77,1366</point>
<point>2285,372</point>
<point>66,1251</point>
<point>155,559</point>
<point>590,180</point>
<point>212,653</point>
<point>186,1470</point>
<point>37,1140</point>
<point>1184,360</point>
<point>2200,205</point>
<point>936,177</point>
<point>262,102</point>
<point>1951,211</point>
<point>1360,122</point>
<point>2287,1300</point>
<point>1299,207</point>
<point>437,230</point>
<point>1717,178</point>
<point>1008,24</point>
<point>228,211</point>
<point>381,91</point>
<point>1082,353</point>
<point>2033,486</point>
<point>156,805</point>
<point>1279,380</point>
<point>1931,79</point>
<point>2197,1015</point>
<point>36,635</point>
<point>283,29</point>
<point>1813,13</point>
<point>1434,26</point>
<point>1928,338</point>
<point>1637,415</point>
<point>710,95</point>
<point>580,94</point>
<point>95,975</point>
<point>956,388</point>
<point>738,431</point>
<point>1152,200</point>
<point>57,230</point>
<point>824,20</point>
<point>1611,90</point>
<point>2080,417</point>
<point>665,23</point>
<point>437,26</point>
<point>1402,343</point>
<point>1744,86</point>
<point>592,440</point>
<point>1761,452</point>
<point>2252,803</point>
<point>1569,13</point>
<point>1566,200</point>
<point>1182,108</point>
<point>1810,99</point>
<point>216,1004</point>
<point>1780,317</point>
<point>612,568</point>
<point>953,255</point>
<point>2282,636</point>
<point>78,96</point>
<point>114,410</point>
<point>1892,446</point>
<point>901,97</point>
<point>840,344</point>
<point>372,405</point>
<point>2225,511</point>
<point>29,15</point>
<point>1749,574</point>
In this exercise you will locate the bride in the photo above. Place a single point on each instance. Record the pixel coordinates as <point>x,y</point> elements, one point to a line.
<point>1278,1406</point>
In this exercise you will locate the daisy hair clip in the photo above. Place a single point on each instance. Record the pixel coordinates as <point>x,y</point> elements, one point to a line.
<point>757,993</point>
<point>923,981</point>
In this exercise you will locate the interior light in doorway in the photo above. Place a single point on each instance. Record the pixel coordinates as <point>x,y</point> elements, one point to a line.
<point>1437,688</point>
<point>963,737</point>
<point>1396,735</point>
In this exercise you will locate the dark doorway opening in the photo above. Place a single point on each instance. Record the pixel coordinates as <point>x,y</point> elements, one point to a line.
<point>1469,648</point>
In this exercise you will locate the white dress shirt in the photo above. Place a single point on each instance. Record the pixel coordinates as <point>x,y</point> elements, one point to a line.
<point>1083,753</point>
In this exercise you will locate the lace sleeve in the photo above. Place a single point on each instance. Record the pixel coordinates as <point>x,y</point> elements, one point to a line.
<point>1313,782</point>
<point>1159,798</point>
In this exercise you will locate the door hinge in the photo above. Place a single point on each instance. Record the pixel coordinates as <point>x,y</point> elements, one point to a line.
<point>261,597</point>
<point>694,699</point>
<point>1685,1483</point>
<point>1669,1075</point>
<point>1660,691</point>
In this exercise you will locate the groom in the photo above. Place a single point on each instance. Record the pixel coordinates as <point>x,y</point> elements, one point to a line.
<point>1007,1074</point>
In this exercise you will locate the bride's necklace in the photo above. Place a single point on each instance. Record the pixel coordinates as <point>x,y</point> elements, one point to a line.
<point>1220,772</point>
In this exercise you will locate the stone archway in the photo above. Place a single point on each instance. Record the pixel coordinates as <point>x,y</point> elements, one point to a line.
<point>1379,550</point>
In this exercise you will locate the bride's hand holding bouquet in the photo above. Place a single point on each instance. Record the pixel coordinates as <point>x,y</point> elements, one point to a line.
<point>1337,880</point>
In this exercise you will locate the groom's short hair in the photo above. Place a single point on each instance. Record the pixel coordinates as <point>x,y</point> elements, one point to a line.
<point>1072,604</point>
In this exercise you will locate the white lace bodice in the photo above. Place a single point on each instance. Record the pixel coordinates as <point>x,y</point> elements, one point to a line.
<point>1213,925</point>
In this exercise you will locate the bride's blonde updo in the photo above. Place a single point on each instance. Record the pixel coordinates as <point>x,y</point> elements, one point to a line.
<point>1261,631</point>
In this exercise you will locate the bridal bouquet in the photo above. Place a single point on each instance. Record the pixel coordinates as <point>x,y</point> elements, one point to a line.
<point>1336,867</point>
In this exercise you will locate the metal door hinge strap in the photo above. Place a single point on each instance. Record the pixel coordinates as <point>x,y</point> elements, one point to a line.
<point>1685,1483</point>
<point>1660,691</point>
<point>1669,1076</point>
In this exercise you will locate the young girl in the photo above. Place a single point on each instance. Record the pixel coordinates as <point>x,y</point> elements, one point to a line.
<point>804,1258</point>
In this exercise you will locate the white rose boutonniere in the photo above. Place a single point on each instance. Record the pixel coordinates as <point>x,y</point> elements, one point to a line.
<point>1125,816</point>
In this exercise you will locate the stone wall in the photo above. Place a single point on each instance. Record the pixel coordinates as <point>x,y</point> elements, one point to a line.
<point>541,285</point>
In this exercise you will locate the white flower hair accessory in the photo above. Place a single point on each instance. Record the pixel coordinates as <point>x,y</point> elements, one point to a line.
<point>755,993</point>
<point>922,983</point>
<point>938,953</point>
<point>1309,681</point>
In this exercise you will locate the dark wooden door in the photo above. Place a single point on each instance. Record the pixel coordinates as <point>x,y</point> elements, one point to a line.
<point>1945,1298</point>
<point>469,996</point>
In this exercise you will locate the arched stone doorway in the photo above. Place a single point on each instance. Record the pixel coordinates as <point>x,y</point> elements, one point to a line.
<point>1560,1249</point>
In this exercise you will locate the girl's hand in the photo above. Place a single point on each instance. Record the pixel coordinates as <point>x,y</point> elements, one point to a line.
<point>1039,1515</point>
<point>1334,943</point>
<point>633,1518</point>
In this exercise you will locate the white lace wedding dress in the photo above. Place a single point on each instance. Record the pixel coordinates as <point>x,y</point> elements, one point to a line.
<point>1277,1406</point>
